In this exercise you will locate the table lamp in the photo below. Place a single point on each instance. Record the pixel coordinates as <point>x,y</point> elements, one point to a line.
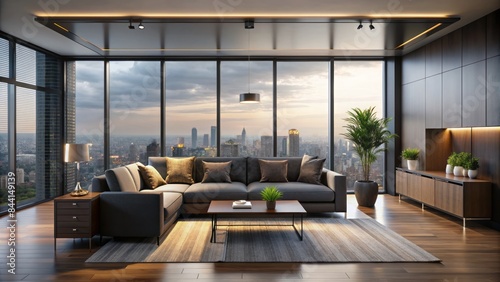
<point>77,153</point>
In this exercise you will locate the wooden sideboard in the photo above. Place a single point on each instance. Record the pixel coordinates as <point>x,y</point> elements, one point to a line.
<point>468,199</point>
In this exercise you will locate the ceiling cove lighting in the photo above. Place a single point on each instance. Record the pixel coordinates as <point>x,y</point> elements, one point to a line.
<point>418,35</point>
<point>249,98</point>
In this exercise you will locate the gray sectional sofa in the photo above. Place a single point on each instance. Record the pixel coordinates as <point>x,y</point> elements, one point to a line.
<point>129,209</point>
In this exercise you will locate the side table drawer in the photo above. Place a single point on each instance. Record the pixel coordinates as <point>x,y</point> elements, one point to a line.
<point>73,231</point>
<point>73,205</point>
<point>73,218</point>
<point>73,224</point>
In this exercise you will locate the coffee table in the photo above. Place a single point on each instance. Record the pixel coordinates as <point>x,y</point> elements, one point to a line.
<point>285,207</point>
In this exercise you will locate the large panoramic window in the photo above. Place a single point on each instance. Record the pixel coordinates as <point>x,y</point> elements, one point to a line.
<point>191,107</point>
<point>357,84</point>
<point>246,129</point>
<point>134,111</point>
<point>303,109</point>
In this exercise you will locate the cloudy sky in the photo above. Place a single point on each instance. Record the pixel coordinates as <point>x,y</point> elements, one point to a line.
<point>191,96</point>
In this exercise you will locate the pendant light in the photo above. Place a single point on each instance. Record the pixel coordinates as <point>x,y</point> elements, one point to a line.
<point>249,97</point>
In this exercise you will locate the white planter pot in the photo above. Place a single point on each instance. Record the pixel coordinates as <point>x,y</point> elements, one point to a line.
<point>458,171</point>
<point>464,172</point>
<point>412,164</point>
<point>472,173</point>
<point>449,169</point>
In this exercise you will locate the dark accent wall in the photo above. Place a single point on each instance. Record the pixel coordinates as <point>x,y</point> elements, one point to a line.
<point>454,82</point>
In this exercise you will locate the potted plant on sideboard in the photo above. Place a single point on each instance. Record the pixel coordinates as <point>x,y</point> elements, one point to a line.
<point>411,157</point>
<point>472,165</point>
<point>369,135</point>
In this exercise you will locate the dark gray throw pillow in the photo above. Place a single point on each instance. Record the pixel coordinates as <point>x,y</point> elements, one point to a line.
<point>273,171</point>
<point>216,172</point>
<point>310,171</point>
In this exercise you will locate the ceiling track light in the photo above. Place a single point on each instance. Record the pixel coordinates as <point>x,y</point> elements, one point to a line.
<point>130,26</point>
<point>249,24</point>
<point>371,26</point>
<point>360,26</point>
<point>140,26</point>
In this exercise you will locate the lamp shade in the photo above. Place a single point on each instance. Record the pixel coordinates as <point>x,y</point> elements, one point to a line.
<point>76,153</point>
<point>247,98</point>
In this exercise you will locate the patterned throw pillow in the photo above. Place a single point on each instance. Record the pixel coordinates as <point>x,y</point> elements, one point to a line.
<point>180,170</point>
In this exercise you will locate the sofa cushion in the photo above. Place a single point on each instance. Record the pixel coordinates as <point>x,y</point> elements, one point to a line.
<point>216,172</point>
<point>180,170</point>
<point>120,179</point>
<point>303,192</point>
<point>238,171</point>
<point>206,192</point>
<point>310,171</point>
<point>150,176</point>
<point>253,171</point>
<point>174,187</point>
<point>273,171</point>
<point>172,202</point>
<point>136,176</point>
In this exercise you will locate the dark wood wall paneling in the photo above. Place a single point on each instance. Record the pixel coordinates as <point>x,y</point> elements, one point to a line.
<point>457,76</point>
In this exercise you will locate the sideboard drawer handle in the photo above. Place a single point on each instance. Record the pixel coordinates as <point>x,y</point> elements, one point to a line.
<point>74,229</point>
<point>74,204</point>
<point>74,217</point>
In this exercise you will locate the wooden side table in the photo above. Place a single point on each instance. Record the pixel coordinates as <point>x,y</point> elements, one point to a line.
<point>76,217</point>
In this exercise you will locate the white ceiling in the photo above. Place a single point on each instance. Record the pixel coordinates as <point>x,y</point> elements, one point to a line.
<point>215,27</point>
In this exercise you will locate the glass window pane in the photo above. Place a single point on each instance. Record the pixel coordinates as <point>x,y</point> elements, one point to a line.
<point>303,109</point>
<point>191,105</point>
<point>4,57</point>
<point>4,153</point>
<point>134,111</point>
<point>246,129</point>
<point>357,84</point>
<point>26,149</point>
<point>89,116</point>
<point>26,59</point>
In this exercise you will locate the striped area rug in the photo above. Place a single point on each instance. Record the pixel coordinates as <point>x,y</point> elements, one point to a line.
<point>325,240</point>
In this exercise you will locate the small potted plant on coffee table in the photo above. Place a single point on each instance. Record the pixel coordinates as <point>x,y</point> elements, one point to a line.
<point>270,194</point>
<point>411,157</point>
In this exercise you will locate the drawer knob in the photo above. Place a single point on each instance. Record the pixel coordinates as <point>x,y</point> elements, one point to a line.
<point>74,204</point>
<point>74,229</point>
<point>74,217</point>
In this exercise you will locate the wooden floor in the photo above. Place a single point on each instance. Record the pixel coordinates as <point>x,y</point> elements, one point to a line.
<point>470,254</point>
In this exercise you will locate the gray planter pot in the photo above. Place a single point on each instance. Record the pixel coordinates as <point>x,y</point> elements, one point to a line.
<point>366,193</point>
<point>271,205</point>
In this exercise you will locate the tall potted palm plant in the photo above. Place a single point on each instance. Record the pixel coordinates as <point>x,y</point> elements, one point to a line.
<point>368,134</point>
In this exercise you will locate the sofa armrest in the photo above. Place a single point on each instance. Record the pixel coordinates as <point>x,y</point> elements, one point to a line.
<point>99,184</point>
<point>337,182</point>
<point>131,214</point>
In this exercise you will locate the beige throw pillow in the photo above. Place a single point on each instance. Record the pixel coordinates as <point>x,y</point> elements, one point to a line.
<point>273,171</point>
<point>151,176</point>
<point>216,172</point>
<point>180,170</point>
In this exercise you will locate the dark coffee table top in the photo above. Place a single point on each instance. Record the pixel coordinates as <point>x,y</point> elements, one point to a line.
<point>258,207</point>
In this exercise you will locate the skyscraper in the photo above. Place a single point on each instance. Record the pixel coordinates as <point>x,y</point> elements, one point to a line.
<point>243,137</point>
<point>213,136</point>
<point>293,149</point>
<point>266,146</point>
<point>205,140</point>
<point>194,137</point>
<point>153,149</point>
<point>230,149</point>
<point>133,153</point>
